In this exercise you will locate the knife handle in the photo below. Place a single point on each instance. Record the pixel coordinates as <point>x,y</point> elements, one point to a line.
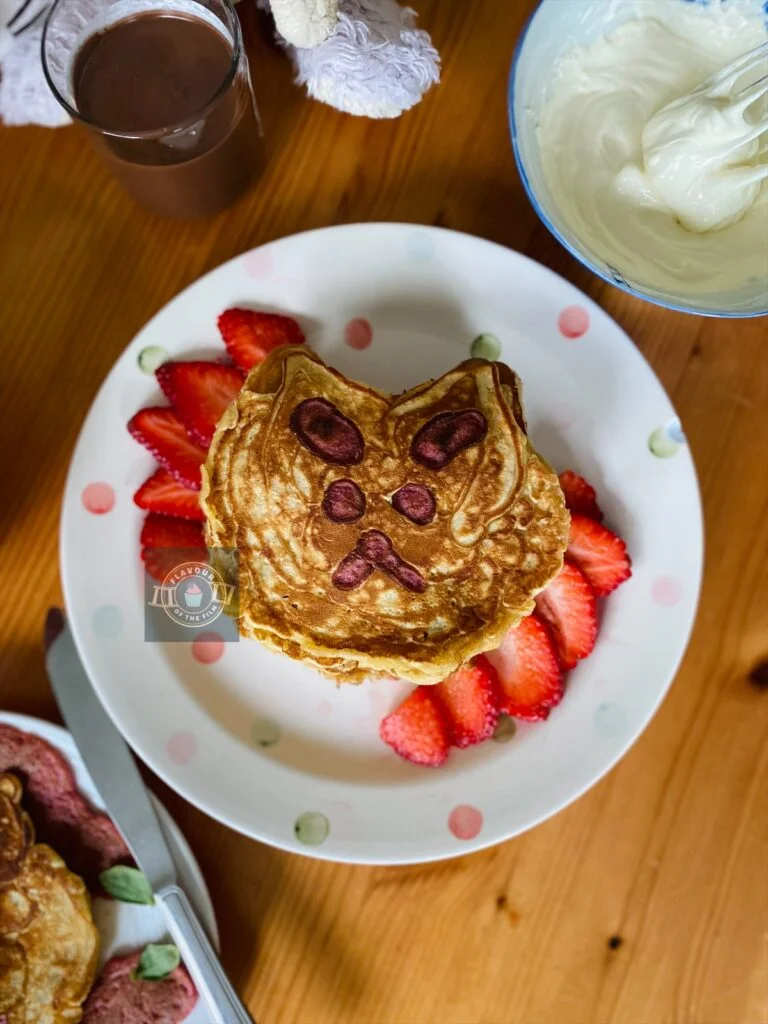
<point>200,959</point>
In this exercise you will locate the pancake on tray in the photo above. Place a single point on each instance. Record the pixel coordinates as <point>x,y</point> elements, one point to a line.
<point>119,997</point>
<point>84,836</point>
<point>49,944</point>
<point>380,535</point>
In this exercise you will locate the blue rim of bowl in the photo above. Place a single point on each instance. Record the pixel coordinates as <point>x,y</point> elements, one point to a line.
<point>548,223</point>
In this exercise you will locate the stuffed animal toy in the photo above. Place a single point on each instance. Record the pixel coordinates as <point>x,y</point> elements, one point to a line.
<point>364,57</point>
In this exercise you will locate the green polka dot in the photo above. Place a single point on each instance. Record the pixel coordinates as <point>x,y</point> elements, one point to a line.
<point>486,346</point>
<point>151,357</point>
<point>107,622</point>
<point>662,445</point>
<point>265,732</point>
<point>505,730</point>
<point>610,720</point>
<point>311,828</point>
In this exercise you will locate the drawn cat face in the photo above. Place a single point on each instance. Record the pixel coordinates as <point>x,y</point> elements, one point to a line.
<point>326,432</point>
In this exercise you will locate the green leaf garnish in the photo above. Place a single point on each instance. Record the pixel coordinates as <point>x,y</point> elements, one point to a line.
<point>156,962</point>
<point>126,884</point>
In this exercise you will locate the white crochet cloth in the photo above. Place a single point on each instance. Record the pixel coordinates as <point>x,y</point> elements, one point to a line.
<point>375,64</point>
<point>24,94</point>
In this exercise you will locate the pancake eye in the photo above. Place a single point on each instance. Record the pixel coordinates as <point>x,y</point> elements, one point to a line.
<point>326,432</point>
<point>442,438</point>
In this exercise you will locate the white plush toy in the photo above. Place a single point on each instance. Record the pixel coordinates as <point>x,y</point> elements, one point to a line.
<point>363,56</point>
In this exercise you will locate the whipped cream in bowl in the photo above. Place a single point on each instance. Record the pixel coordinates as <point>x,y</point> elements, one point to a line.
<point>657,185</point>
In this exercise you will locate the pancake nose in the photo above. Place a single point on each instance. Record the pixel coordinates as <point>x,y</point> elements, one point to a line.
<point>344,502</point>
<point>416,502</point>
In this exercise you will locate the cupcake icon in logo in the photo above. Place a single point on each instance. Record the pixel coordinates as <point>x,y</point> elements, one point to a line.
<point>193,595</point>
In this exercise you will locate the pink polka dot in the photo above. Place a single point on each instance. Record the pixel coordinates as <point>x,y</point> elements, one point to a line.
<point>666,591</point>
<point>465,822</point>
<point>573,321</point>
<point>259,263</point>
<point>358,333</point>
<point>98,498</point>
<point>207,648</point>
<point>181,747</point>
<point>324,708</point>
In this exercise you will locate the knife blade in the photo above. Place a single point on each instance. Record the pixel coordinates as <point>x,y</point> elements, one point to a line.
<point>109,762</point>
<point>116,777</point>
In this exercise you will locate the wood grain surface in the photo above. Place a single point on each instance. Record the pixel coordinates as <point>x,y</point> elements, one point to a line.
<point>646,902</point>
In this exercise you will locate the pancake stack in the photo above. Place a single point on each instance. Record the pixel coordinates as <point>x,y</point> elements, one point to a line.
<point>49,945</point>
<point>382,535</point>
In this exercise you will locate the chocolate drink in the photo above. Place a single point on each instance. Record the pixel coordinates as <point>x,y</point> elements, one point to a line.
<point>153,73</point>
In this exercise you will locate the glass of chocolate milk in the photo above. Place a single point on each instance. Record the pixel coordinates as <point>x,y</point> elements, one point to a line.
<point>164,90</point>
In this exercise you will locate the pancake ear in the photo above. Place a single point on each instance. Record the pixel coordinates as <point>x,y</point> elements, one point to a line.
<point>493,464</point>
<point>512,387</point>
<point>500,474</point>
<point>267,378</point>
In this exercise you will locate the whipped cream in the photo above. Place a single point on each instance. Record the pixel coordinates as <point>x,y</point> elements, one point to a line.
<point>665,187</point>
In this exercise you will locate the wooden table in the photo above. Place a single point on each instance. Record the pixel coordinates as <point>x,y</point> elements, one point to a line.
<point>646,902</point>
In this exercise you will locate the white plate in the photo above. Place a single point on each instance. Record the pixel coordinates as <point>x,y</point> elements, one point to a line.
<point>328,787</point>
<point>125,927</point>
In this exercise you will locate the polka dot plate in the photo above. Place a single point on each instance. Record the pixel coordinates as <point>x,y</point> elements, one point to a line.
<point>274,750</point>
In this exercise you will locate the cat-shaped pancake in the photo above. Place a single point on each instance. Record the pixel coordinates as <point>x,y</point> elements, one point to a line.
<point>379,534</point>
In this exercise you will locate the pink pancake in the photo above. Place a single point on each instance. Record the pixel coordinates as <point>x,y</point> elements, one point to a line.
<point>117,999</point>
<point>86,838</point>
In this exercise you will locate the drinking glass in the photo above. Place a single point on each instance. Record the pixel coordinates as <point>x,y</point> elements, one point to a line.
<point>188,168</point>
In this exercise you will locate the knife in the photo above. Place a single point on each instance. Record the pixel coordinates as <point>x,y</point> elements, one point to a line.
<point>115,775</point>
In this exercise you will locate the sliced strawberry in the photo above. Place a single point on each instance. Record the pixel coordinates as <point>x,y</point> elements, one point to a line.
<point>163,493</point>
<point>161,431</point>
<point>600,554</point>
<point>530,676</point>
<point>470,699</point>
<point>165,541</point>
<point>568,606</point>
<point>417,730</point>
<point>580,497</point>
<point>200,392</point>
<point>251,335</point>
<point>168,532</point>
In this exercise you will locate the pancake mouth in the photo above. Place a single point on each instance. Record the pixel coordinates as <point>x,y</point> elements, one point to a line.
<point>374,550</point>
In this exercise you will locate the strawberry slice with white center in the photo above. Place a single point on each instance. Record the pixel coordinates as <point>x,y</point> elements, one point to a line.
<point>161,431</point>
<point>580,497</point>
<point>600,554</point>
<point>417,730</point>
<point>470,699</point>
<point>568,606</point>
<point>163,493</point>
<point>200,391</point>
<point>250,335</point>
<point>530,677</point>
